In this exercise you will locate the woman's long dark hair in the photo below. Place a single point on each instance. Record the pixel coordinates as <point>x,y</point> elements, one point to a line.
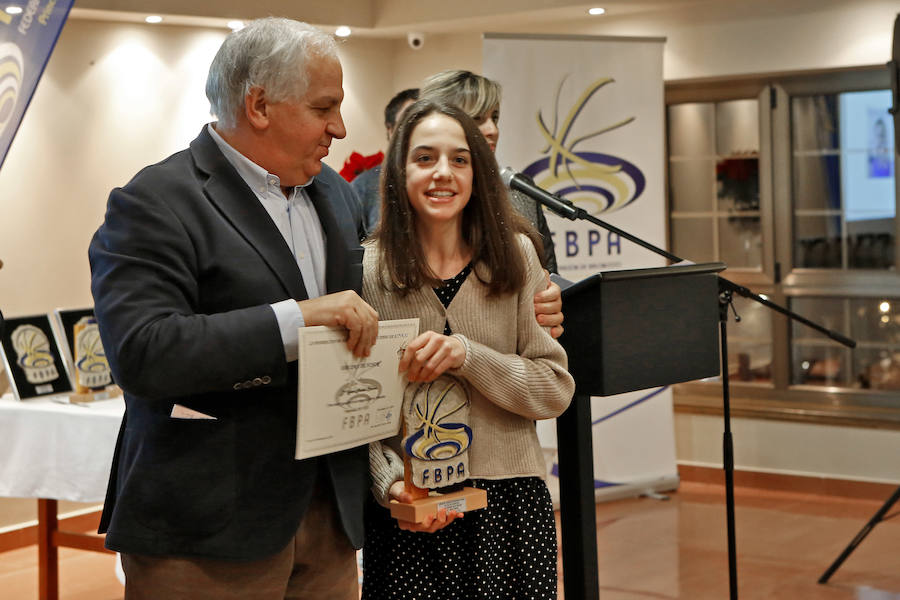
<point>489,222</point>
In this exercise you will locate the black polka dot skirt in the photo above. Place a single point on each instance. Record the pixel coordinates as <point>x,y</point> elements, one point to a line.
<point>504,551</point>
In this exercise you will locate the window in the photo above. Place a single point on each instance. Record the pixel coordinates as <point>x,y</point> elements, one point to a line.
<point>875,325</point>
<point>714,182</point>
<point>843,180</point>
<point>790,180</point>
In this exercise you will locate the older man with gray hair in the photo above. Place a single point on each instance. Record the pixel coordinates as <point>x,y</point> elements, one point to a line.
<point>205,266</point>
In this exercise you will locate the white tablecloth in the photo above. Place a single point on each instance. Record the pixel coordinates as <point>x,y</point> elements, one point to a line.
<point>49,449</point>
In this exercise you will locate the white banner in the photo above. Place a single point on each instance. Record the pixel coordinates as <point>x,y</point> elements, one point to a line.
<point>584,116</point>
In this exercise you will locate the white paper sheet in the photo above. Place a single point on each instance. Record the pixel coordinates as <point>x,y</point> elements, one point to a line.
<point>344,401</point>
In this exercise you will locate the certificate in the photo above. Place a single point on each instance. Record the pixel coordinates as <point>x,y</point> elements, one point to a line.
<point>345,401</point>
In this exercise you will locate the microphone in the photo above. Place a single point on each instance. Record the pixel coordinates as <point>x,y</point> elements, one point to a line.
<point>523,183</point>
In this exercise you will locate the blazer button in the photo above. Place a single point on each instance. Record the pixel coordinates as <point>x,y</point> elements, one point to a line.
<point>266,380</point>
<point>257,381</point>
<point>237,386</point>
<point>248,384</point>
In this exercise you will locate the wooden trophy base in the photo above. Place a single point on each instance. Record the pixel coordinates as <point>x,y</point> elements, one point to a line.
<point>110,391</point>
<point>464,500</point>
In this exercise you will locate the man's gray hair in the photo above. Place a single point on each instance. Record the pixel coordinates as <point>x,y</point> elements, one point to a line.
<point>270,53</point>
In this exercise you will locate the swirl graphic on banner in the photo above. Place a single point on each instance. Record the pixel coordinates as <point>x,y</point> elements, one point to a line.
<point>598,183</point>
<point>12,70</point>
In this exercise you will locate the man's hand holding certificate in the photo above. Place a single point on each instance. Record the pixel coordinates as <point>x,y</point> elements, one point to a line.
<point>345,401</point>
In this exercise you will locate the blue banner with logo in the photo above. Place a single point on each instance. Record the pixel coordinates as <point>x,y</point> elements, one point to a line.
<point>28,32</point>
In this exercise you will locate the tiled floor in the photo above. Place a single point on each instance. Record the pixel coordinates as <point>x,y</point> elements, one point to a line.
<point>651,549</point>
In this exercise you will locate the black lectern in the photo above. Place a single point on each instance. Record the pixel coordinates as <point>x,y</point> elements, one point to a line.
<point>624,331</point>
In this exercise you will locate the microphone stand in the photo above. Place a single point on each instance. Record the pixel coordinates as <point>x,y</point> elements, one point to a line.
<point>727,289</point>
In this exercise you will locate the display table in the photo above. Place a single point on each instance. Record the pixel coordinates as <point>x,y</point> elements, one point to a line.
<point>52,450</point>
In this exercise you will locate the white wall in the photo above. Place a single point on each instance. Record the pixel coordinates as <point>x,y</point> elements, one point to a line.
<point>112,100</point>
<point>440,52</point>
<point>791,448</point>
<point>368,86</point>
<point>717,39</point>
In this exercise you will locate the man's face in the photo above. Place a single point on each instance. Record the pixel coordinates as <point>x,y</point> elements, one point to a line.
<point>301,130</point>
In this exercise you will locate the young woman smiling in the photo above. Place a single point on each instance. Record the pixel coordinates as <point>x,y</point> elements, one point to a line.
<point>452,252</point>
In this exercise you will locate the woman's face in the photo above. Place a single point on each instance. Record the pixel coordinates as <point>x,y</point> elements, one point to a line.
<point>438,169</point>
<point>488,126</point>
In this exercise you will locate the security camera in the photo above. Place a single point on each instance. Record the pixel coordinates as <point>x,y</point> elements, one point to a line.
<point>415,40</point>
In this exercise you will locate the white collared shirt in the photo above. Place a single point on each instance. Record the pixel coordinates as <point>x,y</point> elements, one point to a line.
<point>299,224</point>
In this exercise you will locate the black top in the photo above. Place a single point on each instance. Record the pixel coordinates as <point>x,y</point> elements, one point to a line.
<point>446,292</point>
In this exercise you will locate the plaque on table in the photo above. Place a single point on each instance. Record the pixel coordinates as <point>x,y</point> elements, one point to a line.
<point>83,351</point>
<point>32,358</point>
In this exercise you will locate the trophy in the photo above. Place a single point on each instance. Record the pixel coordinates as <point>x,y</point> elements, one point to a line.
<point>436,440</point>
<point>93,378</point>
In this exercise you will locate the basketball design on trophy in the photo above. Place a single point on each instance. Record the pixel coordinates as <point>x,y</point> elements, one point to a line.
<point>91,368</point>
<point>436,441</point>
<point>34,355</point>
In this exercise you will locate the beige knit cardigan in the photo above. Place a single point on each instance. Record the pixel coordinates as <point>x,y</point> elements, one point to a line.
<point>515,371</point>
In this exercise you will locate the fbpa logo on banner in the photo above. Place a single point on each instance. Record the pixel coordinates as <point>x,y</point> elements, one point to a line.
<point>28,33</point>
<point>12,67</point>
<point>597,183</point>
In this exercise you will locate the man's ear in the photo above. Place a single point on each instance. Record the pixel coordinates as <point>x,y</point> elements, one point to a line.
<point>256,108</point>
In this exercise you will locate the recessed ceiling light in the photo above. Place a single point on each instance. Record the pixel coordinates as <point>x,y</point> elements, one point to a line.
<point>342,31</point>
<point>153,19</point>
<point>235,25</point>
<point>13,10</point>
<point>596,11</point>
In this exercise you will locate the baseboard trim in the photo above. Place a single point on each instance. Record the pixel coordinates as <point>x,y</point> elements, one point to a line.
<point>28,534</point>
<point>823,486</point>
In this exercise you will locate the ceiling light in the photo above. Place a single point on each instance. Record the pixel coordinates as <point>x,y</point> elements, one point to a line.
<point>153,19</point>
<point>13,10</point>
<point>596,11</point>
<point>235,25</point>
<point>342,31</point>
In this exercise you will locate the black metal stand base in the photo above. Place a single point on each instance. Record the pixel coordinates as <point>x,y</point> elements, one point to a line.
<point>876,518</point>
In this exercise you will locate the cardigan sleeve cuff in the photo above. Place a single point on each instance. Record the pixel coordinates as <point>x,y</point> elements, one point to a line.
<point>468,360</point>
<point>386,467</point>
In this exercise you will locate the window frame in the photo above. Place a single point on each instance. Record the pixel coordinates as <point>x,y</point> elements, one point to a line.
<point>782,400</point>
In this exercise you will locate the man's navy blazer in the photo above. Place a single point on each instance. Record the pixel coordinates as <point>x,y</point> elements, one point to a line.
<point>184,269</point>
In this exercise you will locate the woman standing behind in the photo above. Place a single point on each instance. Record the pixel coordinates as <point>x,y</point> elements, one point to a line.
<point>479,97</point>
<point>452,252</point>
